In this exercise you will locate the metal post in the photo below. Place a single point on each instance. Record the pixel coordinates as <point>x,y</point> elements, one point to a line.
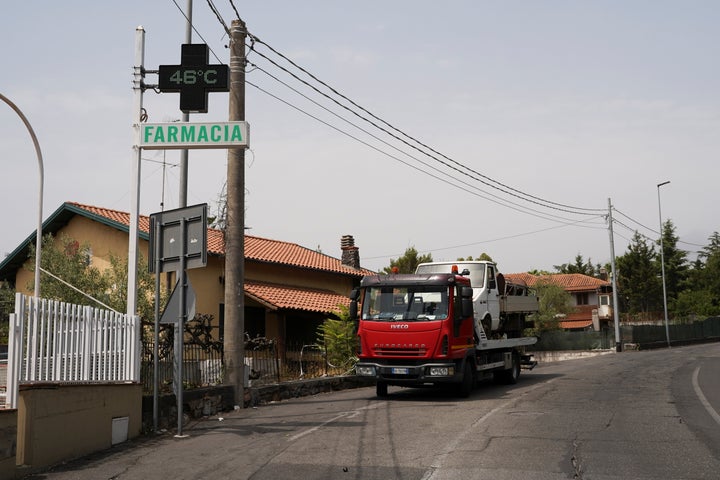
<point>662,265</point>
<point>179,340</point>
<point>616,306</point>
<point>138,74</point>
<point>156,333</point>
<point>38,235</point>
<point>185,118</point>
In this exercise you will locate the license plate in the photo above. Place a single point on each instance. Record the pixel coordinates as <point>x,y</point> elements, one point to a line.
<point>400,371</point>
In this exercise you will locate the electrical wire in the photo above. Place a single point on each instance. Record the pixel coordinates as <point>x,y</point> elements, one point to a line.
<point>507,237</point>
<point>482,178</point>
<point>544,216</point>
<point>489,197</point>
<point>453,165</point>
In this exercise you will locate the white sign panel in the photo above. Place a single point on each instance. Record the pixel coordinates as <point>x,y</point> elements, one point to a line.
<point>164,136</point>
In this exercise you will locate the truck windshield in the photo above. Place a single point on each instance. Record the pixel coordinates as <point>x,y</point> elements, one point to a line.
<point>477,270</point>
<point>390,304</point>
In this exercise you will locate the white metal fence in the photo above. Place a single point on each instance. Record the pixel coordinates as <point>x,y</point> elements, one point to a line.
<point>58,342</point>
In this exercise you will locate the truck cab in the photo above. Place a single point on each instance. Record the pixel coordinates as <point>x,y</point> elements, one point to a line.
<point>486,302</point>
<point>415,329</point>
<point>500,307</point>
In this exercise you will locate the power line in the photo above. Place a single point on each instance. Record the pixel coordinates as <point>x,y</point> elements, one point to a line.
<point>507,237</point>
<point>482,178</point>
<point>489,197</point>
<point>487,180</point>
<point>504,203</point>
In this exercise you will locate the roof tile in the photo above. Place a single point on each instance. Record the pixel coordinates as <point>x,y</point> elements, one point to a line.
<point>572,282</point>
<point>284,297</point>
<point>256,248</point>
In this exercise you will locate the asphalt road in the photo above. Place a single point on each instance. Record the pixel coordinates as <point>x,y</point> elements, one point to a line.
<point>632,415</point>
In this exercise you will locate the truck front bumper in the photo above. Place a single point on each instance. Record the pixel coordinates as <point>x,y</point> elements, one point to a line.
<point>426,373</point>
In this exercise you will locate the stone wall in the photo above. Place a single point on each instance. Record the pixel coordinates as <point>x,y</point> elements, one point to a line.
<point>8,437</point>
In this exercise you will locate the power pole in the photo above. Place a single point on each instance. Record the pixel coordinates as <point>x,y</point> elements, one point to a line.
<point>616,306</point>
<point>234,339</point>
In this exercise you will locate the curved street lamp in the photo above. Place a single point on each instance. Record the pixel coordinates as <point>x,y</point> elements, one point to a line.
<point>38,237</point>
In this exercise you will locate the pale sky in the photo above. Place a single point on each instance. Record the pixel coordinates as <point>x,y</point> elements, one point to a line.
<point>569,102</point>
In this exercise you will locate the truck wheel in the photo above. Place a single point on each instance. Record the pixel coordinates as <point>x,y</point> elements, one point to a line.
<point>468,380</point>
<point>510,376</point>
<point>381,389</point>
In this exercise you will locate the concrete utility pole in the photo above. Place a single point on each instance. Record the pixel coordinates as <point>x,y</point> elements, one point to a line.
<point>616,306</point>
<point>234,339</point>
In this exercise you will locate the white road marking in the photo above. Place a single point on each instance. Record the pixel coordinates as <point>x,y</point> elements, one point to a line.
<point>698,391</point>
<point>350,414</point>
<point>439,460</point>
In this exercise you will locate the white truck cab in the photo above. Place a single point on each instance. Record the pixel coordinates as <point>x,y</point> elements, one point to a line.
<point>484,282</point>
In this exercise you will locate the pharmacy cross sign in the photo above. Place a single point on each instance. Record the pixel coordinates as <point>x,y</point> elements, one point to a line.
<point>193,78</point>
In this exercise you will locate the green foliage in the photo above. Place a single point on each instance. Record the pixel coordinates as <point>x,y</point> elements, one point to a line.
<point>579,266</point>
<point>408,262</point>
<point>696,303</point>
<point>638,279</point>
<point>539,273</point>
<point>483,257</point>
<point>7,306</point>
<point>676,264</point>
<point>72,262</point>
<point>554,302</point>
<point>701,295</point>
<point>339,339</point>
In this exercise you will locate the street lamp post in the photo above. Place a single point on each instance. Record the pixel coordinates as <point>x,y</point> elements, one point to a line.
<point>38,233</point>
<point>662,266</point>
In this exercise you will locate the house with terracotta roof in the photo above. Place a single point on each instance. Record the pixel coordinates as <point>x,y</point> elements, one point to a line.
<point>289,289</point>
<point>591,298</point>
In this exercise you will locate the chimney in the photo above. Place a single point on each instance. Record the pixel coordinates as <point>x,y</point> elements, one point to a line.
<point>350,253</point>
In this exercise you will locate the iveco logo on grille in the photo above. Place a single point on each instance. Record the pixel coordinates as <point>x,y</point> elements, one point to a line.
<point>402,326</point>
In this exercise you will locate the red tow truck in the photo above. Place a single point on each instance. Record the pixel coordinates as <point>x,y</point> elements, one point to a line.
<point>428,329</point>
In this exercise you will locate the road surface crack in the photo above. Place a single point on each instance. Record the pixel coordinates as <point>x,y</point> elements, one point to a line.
<point>575,459</point>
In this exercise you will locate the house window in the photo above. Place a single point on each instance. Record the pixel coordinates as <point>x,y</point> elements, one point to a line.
<point>582,298</point>
<point>254,322</point>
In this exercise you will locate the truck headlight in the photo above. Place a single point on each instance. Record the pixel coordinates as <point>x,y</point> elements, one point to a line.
<point>442,371</point>
<point>365,370</point>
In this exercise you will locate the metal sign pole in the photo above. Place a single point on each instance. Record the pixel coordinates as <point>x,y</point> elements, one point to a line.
<point>138,74</point>
<point>182,282</point>
<point>156,334</point>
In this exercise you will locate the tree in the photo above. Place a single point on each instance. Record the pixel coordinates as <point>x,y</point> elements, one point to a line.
<point>7,306</point>
<point>580,266</point>
<point>639,285</point>
<point>539,273</point>
<point>554,302</point>
<point>339,338</point>
<point>71,261</point>
<point>408,262</point>
<point>483,257</point>
<point>701,295</point>
<point>675,260</point>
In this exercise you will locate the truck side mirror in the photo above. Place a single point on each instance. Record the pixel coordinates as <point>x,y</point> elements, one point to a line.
<point>354,295</point>
<point>466,302</point>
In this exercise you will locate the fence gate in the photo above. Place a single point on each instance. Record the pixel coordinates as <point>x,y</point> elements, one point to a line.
<point>53,341</point>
